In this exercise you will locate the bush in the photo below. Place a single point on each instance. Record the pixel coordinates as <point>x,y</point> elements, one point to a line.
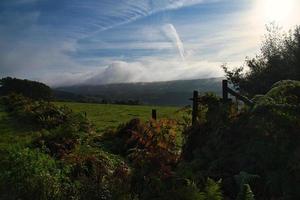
<point>263,140</point>
<point>99,175</point>
<point>153,145</point>
<point>58,142</point>
<point>46,115</point>
<point>29,174</point>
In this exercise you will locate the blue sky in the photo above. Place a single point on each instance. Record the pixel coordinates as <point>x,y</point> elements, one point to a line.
<point>65,42</point>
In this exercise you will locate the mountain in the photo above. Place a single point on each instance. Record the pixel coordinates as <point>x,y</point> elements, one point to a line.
<point>154,93</point>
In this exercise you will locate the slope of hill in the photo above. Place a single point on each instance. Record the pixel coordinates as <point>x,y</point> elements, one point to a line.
<point>155,93</point>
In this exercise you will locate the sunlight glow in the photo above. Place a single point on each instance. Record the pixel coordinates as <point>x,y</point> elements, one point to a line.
<point>283,12</point>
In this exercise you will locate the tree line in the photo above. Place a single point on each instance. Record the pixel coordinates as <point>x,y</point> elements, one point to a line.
<point>31,89</point>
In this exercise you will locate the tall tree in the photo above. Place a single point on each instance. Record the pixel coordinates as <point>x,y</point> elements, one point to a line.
<point>279,59</point>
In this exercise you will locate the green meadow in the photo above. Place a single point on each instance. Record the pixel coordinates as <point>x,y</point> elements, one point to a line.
<point>103,116</point>
<point>11,132</point>
<point>109,116</point>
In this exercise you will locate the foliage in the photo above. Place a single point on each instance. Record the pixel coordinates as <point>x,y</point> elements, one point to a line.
<point>245,193</point>
<point>43,114</point>
<point>189,191</point>
<point>98,175</point>
<point>152,145</point>
<point>243,180</point>
<point>285,92</point>
<point>186,117</point>
<point>263,141</point>
<point>58,142</point>
<point>87,173</point>
<point>27,88</point>
<point>212,190</point>
<point>212,118</point>
<point>250,151</point>
<point>279,59</point>
<point>157,143</point>
<point>153,151</point>
<point>29,174</point>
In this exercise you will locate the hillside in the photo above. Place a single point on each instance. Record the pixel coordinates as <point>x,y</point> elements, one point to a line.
<point>155,93</point>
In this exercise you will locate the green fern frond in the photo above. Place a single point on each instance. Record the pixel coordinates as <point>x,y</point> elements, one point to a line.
<point>245,193</point>
<point>212,190</point>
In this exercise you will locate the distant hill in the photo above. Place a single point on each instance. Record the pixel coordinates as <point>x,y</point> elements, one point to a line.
<point>154,93</point>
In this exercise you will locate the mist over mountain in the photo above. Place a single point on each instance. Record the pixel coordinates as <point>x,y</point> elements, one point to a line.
<point>175,92</point>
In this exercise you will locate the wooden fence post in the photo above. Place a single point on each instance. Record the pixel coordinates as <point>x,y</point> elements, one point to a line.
<point>153,114</point>
<point>225,91</point>
<point>195,107</point>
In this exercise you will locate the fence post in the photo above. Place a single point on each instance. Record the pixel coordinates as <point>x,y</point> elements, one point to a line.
<point>153,114</point>
<point>225,91</point>
<point>195,107</point>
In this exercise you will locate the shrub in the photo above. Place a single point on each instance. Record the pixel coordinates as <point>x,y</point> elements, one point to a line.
<point>153,149</point>
<point>212,190</point>
<point>29,174</point>
<point>153,144</point>
<point>263,140</point>
<point>58,142</point>
<point>43,114</point>
<point>99,175</point>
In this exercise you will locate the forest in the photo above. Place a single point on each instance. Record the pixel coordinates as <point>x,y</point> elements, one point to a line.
<point>233,151</point>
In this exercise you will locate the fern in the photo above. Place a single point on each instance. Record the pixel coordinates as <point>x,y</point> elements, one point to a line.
<point>212,190</point>
<point>245,193</point>
<point>243,180</point>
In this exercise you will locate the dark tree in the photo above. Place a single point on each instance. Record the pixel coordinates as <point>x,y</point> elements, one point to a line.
<point>279,59</point>
<point>31,89</point>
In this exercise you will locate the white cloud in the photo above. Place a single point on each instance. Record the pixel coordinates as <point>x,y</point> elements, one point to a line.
<point>76,54</point>
<point>146,69</point>
<point>171,33</point>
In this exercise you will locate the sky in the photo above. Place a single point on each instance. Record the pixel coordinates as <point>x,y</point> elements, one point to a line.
<point>67,42</point>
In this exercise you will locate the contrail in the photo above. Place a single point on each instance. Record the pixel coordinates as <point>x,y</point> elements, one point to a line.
<point>131,11</point>
<point>172,34</point>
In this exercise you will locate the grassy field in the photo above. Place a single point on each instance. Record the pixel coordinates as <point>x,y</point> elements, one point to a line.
<point>11,133</point>
<point>106,116</point>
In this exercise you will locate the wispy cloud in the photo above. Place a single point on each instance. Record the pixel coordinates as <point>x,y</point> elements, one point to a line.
<point>86,18</point>
<point>171,33</point>
<point>63,42</point>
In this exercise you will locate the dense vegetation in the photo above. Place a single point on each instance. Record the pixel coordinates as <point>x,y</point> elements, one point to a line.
<point>66,153</point>
<point>27,88</point>
<point>228,154</point>
<point>261,144</point>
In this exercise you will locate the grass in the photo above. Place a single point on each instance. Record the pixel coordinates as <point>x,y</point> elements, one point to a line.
<point>11,133</point>
<point>107,116</point>
<point>103,116</point>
